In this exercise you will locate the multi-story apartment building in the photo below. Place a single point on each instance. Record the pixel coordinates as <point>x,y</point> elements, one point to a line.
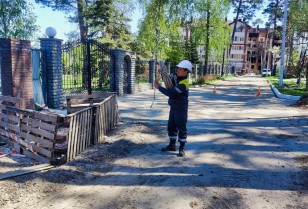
<point>237,53</point>
<point>249,51</point>
<point>258,54</point>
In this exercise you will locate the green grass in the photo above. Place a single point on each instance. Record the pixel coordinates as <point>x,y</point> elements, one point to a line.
<point>290,86</point>
<point>220,78</point>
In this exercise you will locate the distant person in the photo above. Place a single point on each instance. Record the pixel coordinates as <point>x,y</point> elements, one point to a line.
<point>178,102</point>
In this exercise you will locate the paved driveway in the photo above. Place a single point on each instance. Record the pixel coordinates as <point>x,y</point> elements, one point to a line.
<point>247,151</point>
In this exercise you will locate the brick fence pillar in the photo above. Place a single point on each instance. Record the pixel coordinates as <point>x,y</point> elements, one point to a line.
<point>122,71</point>
<point>16,69</point>
<point>52,72</point>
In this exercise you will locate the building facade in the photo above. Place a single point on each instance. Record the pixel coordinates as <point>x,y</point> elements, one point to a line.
<point>258,54</point>
<point>238,52</point>
<point>249,52</point>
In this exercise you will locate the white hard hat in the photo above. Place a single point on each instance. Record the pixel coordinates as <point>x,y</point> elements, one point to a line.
<point>185,64</point>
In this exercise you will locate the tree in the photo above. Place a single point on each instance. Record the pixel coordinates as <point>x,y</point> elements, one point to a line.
<point>244,9</point>
<point>87,13</point>
<point>298,23</point>
<point>17,19</point>
<point>191,15</point>
<point>117,33</point>
<point>155,32</point>
<point>298,15</point>
<point>211,29</point>
<point>274,10</point>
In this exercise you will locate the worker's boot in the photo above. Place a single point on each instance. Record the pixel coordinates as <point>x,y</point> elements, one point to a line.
<point>181,149</point>
<point>170,147</point>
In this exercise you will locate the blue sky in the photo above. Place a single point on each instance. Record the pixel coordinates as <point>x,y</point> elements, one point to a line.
<point>46,17</point>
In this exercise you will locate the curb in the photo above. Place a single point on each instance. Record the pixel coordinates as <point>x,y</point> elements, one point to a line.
<point>284,96</point>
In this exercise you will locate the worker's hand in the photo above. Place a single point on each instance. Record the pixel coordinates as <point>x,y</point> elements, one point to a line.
<point>156,84</point>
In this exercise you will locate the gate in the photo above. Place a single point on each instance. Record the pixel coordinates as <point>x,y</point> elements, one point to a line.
<point>85,67</point>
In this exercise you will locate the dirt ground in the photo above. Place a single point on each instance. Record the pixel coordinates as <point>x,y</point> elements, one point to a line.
<point>254,155</point>
<point>27,190</point>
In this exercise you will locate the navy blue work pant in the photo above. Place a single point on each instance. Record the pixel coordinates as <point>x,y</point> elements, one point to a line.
<point>177,125</point>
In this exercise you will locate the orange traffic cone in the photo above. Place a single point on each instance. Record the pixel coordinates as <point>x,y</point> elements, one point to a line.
<point>259,91</point>
<point>214,92</point>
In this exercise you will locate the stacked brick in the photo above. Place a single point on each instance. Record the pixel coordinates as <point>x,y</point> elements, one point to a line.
<point>52,72</point>
<point>122,80</point>
<point>16,69</point>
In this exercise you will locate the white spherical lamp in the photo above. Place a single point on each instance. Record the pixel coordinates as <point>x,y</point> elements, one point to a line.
<point>51,32</point>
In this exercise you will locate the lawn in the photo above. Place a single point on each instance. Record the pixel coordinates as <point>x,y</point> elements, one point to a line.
<point>290,86</point>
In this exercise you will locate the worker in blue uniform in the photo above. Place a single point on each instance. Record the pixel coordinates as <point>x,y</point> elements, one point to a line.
<point>178,102</point>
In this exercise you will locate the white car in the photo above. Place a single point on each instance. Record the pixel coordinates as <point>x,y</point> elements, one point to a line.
<point>266,72</point>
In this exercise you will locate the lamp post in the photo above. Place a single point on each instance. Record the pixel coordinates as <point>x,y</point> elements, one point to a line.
<point>285,13</point>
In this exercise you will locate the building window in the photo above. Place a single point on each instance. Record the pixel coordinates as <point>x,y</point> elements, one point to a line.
<point>237,47</point>
<point>239,29</point>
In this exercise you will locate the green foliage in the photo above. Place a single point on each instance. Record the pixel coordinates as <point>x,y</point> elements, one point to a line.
<point>106,19</point>
<point>298,15</point>
<point>211,79</point>
<point>274,10</point>
<point>17,20</point>
<point>190,51</point>
<point>246,9</point>
<point>166,20</point>
<point>159,36</point>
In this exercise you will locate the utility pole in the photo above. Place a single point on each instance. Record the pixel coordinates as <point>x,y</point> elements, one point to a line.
<point>285,14</point>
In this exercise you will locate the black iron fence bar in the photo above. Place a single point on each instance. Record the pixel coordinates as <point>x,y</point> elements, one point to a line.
<point>88,57</point>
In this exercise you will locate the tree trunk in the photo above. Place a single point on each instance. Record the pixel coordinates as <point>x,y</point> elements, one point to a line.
<point>83,30</point>
<point>275,21</point>
<point>206,59</point>
<point>300,66</point>
<point>83,38</point>
<point>306,77</point>
<point>235,23</point>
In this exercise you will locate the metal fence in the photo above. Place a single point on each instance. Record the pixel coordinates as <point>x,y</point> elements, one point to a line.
<point>85,67</point>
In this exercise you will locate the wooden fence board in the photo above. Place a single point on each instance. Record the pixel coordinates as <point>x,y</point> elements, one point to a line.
<point>40,124</point>
<point>44,142</point>
<point>12,118</point>
<point>82,131</point>
<point>10,99</point>
<point>11,127</point>
<point>84,96</point>
<point>37,131</point>
<point>46,117</point>
<point>36,156</point>
<point>90,128</point>
<point>70,138</point>
<point>42,150</point>
<point>86,129</point>
<point>75,134</point>
<point>25,170</point>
